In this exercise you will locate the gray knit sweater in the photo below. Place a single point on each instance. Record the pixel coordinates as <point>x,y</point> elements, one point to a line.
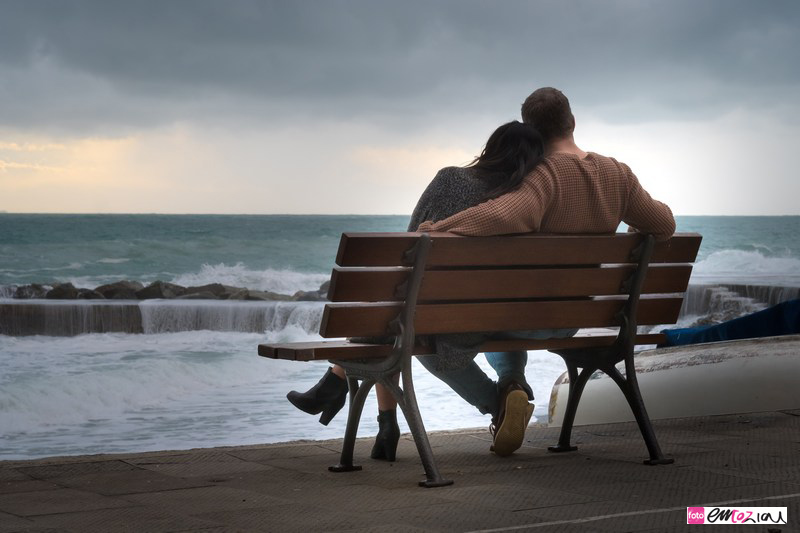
<point>452,190</point>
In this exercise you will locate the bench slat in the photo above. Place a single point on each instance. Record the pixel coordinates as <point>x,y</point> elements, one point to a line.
<point>344,350</point>
<point>388,249</point>
<point>366,319</point>
<point>378,285</point>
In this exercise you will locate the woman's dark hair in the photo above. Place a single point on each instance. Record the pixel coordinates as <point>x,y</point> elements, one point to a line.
<point>510,154</point>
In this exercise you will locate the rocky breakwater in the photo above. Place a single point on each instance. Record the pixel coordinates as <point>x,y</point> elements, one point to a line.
<point>134,290</point>
<point>65,310</point>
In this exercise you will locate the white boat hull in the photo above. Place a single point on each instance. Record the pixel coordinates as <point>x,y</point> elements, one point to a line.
<point>695,380</point>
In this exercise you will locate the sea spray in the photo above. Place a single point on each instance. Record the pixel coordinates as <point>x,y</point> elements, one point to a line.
<point>108,393</point>
<point>711,304</point>
<point>279,281</point>
<point>7,291</point>
<point>747,267</point>
<point>63,386</point>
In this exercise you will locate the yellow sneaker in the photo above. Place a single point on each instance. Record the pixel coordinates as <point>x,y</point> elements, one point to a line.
<point>515,414</point>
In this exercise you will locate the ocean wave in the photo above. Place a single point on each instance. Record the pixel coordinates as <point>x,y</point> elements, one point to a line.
<point>19,272</point>
<point>47,386</point>
<point>751,266</point>
<point>280,281</point>
<point>110,393</point>
<point>112,260</point>
<point>91,282</point>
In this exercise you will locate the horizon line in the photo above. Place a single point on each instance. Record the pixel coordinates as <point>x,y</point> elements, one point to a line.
<point>2,212</point>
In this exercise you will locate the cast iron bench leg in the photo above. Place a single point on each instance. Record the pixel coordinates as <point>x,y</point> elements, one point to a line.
<point>630,388</point>
<point>408,402</point>
<point>577,382</point>
<point>358,395</point>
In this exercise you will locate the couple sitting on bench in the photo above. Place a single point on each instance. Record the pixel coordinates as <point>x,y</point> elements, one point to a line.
<point>530,177</point>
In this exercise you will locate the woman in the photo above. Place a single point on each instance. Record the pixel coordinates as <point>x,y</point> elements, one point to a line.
<point>512,151</point>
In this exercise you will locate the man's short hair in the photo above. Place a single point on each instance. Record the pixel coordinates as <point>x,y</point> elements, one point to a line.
<point>547,110</point>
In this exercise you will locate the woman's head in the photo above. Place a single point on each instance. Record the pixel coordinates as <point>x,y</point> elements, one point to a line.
<point>512,152</point>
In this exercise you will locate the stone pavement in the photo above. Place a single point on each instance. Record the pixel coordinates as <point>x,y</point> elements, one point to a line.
<point>739,460</point>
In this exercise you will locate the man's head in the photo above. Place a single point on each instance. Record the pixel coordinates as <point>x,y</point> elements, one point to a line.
<point>548,111</point>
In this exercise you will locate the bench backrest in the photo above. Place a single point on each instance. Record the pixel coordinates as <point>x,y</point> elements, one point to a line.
<point>475,284</point>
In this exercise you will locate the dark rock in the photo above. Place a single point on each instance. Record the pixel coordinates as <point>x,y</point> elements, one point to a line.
<point>160,289</point>
<point>310,296</point>
<point>121,290</point>
<point>63,291</point>
<point>89,294</point>
<point>268,296</point>
<point>34,290</point>
<point>318,295</point>
<point>220,291</point>
<point>205,295</point>
<point>228,291</point>
<point>243,294</point>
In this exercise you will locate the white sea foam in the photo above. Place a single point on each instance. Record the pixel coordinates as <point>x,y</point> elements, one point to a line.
<point>122,392</point>
<point>22,272</point>
<point>113,260</point>
<point>7,291</point>
<point>747,266</point>
<point>280,281</point>
<point>64,382</point>
<point>91,282</point>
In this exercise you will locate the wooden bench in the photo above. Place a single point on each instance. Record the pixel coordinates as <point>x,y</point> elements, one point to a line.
<point>409,284</point>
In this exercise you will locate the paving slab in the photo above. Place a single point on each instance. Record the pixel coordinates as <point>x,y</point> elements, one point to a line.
<point>25,485</point>
<point>27,504</point>
<point>732,460</point>
<point>128,519</point>
<point>10,522</point>
<point>130,482</point>
<point>203,500</point>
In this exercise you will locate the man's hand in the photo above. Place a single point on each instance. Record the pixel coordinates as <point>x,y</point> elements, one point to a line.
<point>426,226</point>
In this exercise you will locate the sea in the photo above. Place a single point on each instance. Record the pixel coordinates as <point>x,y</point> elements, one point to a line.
<point>190,375</point>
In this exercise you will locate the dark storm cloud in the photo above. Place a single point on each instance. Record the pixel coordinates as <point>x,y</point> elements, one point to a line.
<point>112,64</point>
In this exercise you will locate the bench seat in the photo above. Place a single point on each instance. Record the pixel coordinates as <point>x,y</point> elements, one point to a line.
<point>343,350</point>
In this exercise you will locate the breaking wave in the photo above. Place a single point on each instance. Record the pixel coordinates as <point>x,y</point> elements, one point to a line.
<point>280,281</point>
<point>747,267</point>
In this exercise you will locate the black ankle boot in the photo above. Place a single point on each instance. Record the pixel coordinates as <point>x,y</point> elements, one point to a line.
<point>327,396</point>
<point>385,447</point>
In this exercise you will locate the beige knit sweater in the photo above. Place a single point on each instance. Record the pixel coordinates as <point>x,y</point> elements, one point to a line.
<point>567,194</point>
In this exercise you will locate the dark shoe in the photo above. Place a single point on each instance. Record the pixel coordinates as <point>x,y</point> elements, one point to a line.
<point>386,440</point>
<point>326,397</point>
<point>512,421</point>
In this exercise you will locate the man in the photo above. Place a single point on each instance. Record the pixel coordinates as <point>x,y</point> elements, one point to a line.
<point>571,191</point>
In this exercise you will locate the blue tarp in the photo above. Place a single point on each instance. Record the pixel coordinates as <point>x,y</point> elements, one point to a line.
<point>781,319</point>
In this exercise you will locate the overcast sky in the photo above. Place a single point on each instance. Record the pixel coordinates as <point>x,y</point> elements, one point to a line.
<point>246,106</point>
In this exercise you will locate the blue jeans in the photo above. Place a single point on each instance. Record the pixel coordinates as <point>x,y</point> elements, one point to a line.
<point>472,383</point>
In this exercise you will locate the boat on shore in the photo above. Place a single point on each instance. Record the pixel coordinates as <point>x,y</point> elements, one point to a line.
<point>717,378</point>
